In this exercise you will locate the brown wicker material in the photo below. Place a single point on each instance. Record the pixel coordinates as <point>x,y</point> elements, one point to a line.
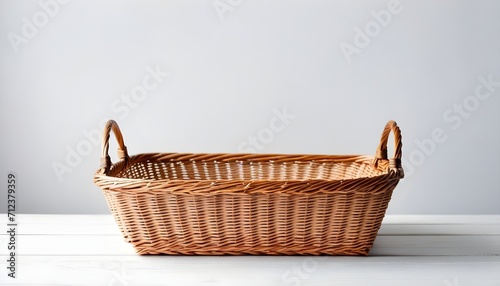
<point>213,204</point>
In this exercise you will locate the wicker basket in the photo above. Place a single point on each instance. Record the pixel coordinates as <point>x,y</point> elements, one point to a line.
<point>214,204</point>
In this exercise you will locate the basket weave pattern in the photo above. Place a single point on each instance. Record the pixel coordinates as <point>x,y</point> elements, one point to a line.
<point>214,204</point>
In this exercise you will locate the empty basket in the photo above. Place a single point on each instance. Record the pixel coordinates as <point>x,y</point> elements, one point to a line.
<point>214,204</point>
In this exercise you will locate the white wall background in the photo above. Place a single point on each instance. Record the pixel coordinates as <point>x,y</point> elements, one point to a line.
<point>63,73</point>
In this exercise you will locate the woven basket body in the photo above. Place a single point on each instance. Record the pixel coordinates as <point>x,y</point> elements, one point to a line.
<point>214,204</point>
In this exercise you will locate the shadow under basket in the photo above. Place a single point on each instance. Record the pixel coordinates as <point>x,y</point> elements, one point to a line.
<point>218,204</point>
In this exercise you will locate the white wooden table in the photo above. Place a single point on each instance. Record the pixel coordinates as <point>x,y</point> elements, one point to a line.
<point>409,250</point>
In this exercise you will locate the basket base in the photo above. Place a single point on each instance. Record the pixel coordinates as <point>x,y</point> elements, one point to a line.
<point>334,250</point>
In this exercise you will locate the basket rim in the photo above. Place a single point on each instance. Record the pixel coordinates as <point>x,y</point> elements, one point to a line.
<point>242,157</point>
<point>380,161</point>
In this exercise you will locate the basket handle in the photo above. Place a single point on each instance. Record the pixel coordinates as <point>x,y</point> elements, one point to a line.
<point>122,149</point>
<point>395,162</point>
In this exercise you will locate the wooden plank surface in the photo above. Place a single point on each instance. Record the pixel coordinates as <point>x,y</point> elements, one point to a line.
<point>409,250</point>
<point>252,270</point>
